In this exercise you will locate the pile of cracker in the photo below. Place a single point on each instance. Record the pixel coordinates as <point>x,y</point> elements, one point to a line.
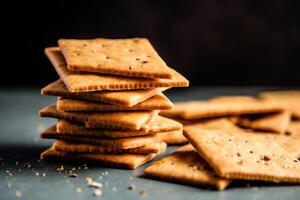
<point>109,96</point>
<point>235,138</point>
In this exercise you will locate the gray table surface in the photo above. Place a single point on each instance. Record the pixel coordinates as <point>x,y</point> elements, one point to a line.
<point>19,144</point>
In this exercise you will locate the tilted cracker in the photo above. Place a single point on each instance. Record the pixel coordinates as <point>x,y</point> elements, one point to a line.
<point>159,124</point>
<point>187,167</point>
<point>124,143</point>
<point>205,109</point>
<point>122,97</point>
<point>128,57</point>
<point>244,156</point>
<point>126,120</point>
<point>173,137</point>
<point>290,97</point>
<point>275,122</point>
<point>85,82</point>
<point>157,102</point>
<point>67,146</point>
<point>127,161</point>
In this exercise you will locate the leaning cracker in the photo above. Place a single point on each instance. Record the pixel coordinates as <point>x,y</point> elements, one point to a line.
<point>159,124</point>
<point>275,122</point>
<point>126,120</point>
<point>127,161</point>
<point>84,82</point>
<point>127,57</point>
<point>173,137</point>
<point>245,156</point>
<point>124,143</point>
<point>290,97</point>
<point>123,97</point>
<point>157,102</point>
<point>71,147</point>
<point>187,167</point>
<point>204,109</point>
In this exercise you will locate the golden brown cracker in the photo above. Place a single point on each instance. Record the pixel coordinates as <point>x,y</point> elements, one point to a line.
<point>187,167</point>
<point>290,97</point>
<point>205,109</point>
<point>126,120</point>
<point>275,122</point>
<point>72,147</point>
<point>159,124</point>
<point>173,137</point>
<point>127,161</point>
<point>127,57</point>
<point>244,156</point>
<point>124,143</point>
<point>157,102</point>
<point>84,82</point>
<point>123,97</point>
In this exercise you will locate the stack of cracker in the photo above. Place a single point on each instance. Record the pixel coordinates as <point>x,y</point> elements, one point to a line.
<point>235,138</point>
<point>109,96</point>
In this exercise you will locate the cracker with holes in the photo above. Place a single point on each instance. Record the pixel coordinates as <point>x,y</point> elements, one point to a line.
<point>126,161</point>
<point>157,102</point>
<point>85,82</point>
<point>127,57</point>
<point>123,120</point>
<point>187,167</point>
<point>245,156</point>
<point>72,147</point>
<point>127,98</point>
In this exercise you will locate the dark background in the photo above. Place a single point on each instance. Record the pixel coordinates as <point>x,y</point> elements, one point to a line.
<point>251,42</point>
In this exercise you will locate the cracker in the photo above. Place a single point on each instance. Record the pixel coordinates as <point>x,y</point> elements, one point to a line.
<point>67,146</point>
<point>173,137</point>
<point>187,167</point>
<point>123,97</point>
<point>290,97</point>
<point>275,122</point>
<point>205,109</point>
<point>84,82</point>
<point>157,102</point>
<point>126,120</point>
<point>245,156</point>
<point>124,143</point>
<point>128,57</point>
<point>159,124</point>
<point>127,161</point>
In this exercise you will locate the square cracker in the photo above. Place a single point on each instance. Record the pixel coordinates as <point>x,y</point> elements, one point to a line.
<point>173,137</point>
<point>274,122</point>
<point>245,155</point>
<point>84,82</point>
<point>122,97</point>
<point>126,120</point>
<point>157,102</point>
<point>290,97</point>
<point>159,124</point>
<point>127,57</point>
<point>187,167</point>
<point>71,147</point>
<point>219,108</point>
<point>124,143</point>
<point>127,161</point>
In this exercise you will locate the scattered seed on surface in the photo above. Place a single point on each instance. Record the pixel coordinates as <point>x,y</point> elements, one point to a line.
<point>18,193</point>
<point>44,174</point>
<point>131,187</point>
<point>37,174</point>
<point>73,175</point>
<point>95,184</point>
<point>78,189</point>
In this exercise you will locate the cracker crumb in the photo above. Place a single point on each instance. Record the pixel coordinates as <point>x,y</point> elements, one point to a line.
<point>27,165</point>
<point>37,173</point>
<point>143,193</point>
<point>89,179</point>
<point>131,187</point>
<point>60,169</point>
<point>18,193</point>
<point>95,184</point>
<point>73,175</point>
<point>97,192</point>
<point>44,174</point>
<point>78,189</point>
